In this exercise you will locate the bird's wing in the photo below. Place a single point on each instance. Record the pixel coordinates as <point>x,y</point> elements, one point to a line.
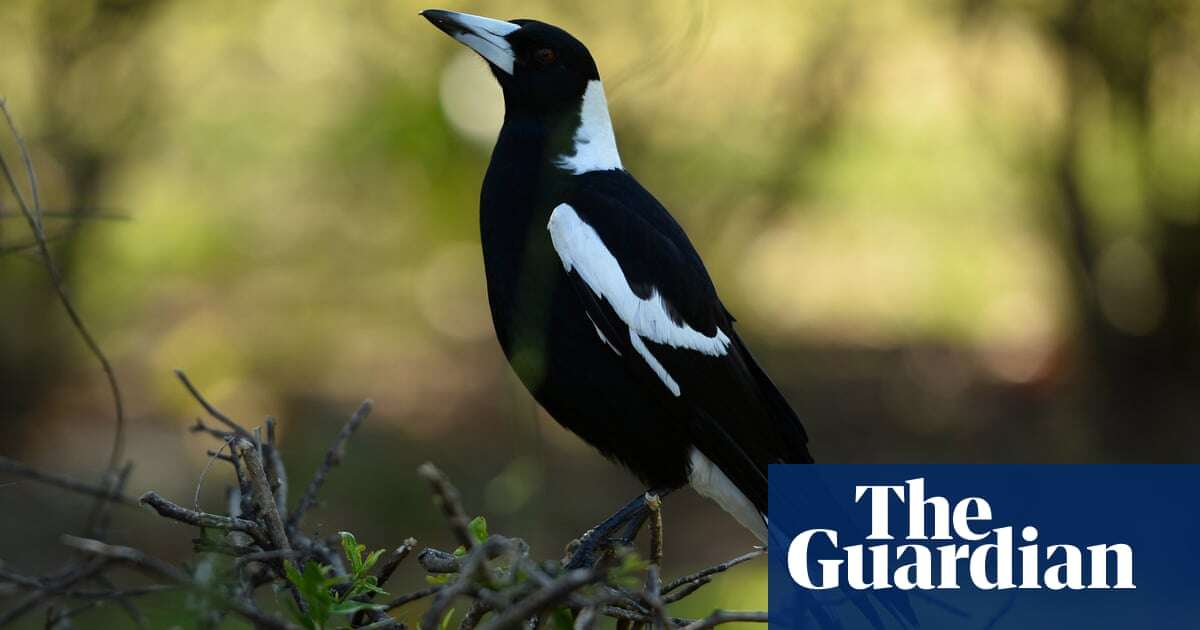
<point>646,290</point>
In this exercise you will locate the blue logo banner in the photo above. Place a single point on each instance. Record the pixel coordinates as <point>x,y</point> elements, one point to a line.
<point>1023,547</point>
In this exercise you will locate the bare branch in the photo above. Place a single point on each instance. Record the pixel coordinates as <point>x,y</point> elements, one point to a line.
<point>713,570</point>
<point>33,217</point>
<point>414,596</point>
<point>394,559</point>
<point>719,617</point>
<point>153,566</point>
<point>179,513</point>
<point>212,411</point>
<point>13,467</point>
<point>261,490</point>
<point>333,457</point>
<point>543,598</point>
<point>447,498</point>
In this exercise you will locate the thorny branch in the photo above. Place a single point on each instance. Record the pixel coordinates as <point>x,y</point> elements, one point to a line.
<point>504,585</point>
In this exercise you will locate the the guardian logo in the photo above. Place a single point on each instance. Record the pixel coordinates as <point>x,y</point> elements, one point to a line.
<point>974,552</point>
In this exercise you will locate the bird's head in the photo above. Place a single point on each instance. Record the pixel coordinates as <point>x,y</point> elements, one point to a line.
<point>541,68</point>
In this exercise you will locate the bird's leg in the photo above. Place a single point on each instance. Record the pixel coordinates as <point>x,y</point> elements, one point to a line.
<point>632,516</point>
<point>637,521</point>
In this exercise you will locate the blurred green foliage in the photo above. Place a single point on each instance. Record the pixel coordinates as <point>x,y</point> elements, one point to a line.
<point>962,230</point>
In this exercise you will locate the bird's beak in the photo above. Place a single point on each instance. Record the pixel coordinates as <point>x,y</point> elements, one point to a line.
<point>483,35</point>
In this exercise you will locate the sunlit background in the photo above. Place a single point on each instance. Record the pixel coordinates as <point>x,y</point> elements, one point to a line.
<point>953,231</point>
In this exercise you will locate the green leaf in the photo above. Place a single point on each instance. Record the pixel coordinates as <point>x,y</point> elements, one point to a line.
<point>351,607</point>
<point>562,619</point>
<point>478,528</point>
<point>372,558</point>
<point>440,578</point>
<point>353,551</point>
<point>446,620</point>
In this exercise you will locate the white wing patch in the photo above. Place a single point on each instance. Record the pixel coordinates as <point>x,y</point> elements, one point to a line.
<point>712,483</point>
<point>602,337</point>
<point>581,249</point>
<point>655,365</point>
<point>595,143</point>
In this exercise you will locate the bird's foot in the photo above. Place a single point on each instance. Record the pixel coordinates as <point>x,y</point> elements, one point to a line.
<point>628,520</point>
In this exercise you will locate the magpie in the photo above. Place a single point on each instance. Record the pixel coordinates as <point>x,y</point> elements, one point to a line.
<point>600,302</point>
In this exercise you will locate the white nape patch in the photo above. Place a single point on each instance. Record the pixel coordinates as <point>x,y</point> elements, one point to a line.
<point>486,37</point>
<point>710,482</point>
<point>581,249</point>
<point>595,143</point>
<point>658,368</point>
<point>602,337</point>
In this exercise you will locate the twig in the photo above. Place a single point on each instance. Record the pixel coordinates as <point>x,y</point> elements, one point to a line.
<point>276,471</point>
<point>447,498</point>
<point>394,559</point>
<point>333,457</point>
<point>157,567</point>
<point>542,598</point>
<point>264,556</point>
<point>212,411</point>
<point>414,596</point>
<point>719,617</point>
<point>53,586</point>
<point>25,471</point>
<point>438,561</point>
<point>212,457</point>
<point>474,567</point>
<point>653,597</point>
<point>713,570</point>
<point>177,512</point>
<point>475,614</point>
<point>33,217</point>
<point>262,494</point>
<point>685,590</point>
<point>586,618</point>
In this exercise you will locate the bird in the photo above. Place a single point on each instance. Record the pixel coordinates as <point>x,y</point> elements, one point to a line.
<point>600,301</point>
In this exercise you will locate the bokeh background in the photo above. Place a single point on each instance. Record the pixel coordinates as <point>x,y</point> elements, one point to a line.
<point>953,231</point>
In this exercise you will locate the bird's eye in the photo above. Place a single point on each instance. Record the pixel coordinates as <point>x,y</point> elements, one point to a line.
<point>545,56</point>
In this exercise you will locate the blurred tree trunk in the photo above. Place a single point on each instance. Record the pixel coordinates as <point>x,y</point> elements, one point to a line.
<point>1141,379</point>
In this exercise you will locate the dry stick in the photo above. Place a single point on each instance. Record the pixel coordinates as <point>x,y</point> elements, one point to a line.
<point>447,498</point>
<point>33,217</point>
<point>586,618</point>
<point>385,623</point>
<point>438,561</point>
<point>25,471</point>
<point>208,407</point>
<point>261,490</point>
<point>653,597</point>
<point>719,617</point>
<point>176,512</point>
<point>333,457</point>
<point>414,596</point>
<point>685,590</point>
<point>161,569</point>
<point>474,615</point>
<point>474,570</point>
<point>393,561</point>
<point>276,470</point>
<point>543,598</point>
<point>55,587</point>
<point>123,593</point>
<point>713,570</point>
<point>381,577</point>
<point>212,457</point>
